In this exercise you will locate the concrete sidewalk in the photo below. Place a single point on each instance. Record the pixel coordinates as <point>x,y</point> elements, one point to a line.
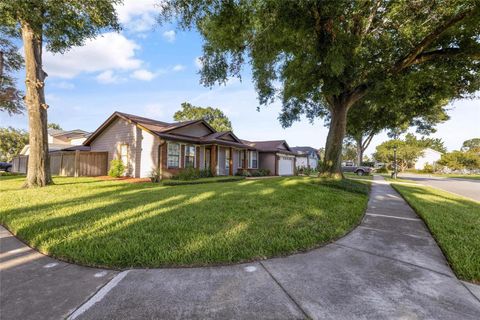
<point>389,267</point>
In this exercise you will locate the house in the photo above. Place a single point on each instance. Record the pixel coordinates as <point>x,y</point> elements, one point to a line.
<point>306,157</point>
<point>275,156</point>
<point>145,144</point>
<point>429,156</point>
<point>60,140</point>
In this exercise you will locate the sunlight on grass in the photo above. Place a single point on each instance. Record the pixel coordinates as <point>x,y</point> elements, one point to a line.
<point>120,224</point>
<point>454,222</point>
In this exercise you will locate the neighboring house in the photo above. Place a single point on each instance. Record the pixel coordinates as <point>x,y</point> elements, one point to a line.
<point>145,144</point>
<point>275,156</point>
<point>60,140</point>
<point>306,157</point>
<point>429,156</point>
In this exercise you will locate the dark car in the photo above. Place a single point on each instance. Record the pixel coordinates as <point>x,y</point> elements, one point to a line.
<point>5,166</point>
<point>349,166</point>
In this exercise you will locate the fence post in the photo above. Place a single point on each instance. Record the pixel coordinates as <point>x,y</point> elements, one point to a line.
<point>77,163</point>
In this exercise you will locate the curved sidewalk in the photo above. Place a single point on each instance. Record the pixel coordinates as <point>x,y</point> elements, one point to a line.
<point>389,267</point>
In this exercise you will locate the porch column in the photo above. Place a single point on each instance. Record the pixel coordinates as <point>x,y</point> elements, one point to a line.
<point>245,160</point>
<point>230,163</point>
<point>213,160</point>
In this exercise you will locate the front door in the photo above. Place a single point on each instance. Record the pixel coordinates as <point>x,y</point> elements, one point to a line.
<point>207,158</point>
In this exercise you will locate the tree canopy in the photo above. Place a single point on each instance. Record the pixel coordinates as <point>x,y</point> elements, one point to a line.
<point>409,149</point>
<point>471,145</point>
<point>321,57</point>
<point>11,99</point>
<point>214,116</point>
<point>53,125</point>
<point>12,142</point>
<point>58,25</point>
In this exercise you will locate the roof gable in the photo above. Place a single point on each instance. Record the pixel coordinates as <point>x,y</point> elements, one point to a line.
<point>198,128</point>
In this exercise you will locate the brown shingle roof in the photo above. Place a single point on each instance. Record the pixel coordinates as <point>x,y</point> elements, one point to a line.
<point>163,130</point>
<point>269,146</point>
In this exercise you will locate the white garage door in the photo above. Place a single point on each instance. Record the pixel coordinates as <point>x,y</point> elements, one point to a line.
<point>285,166</point>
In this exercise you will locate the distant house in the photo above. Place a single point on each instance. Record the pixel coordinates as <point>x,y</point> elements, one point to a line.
<point>275,156</point>
<point>306,157</point>
<point>60,140</point>
<point>429,156</point>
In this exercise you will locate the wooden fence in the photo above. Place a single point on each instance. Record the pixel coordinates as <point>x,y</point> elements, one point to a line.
<point>70,163</point>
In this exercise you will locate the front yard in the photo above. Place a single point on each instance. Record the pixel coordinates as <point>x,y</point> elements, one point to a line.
<point>120,224</point>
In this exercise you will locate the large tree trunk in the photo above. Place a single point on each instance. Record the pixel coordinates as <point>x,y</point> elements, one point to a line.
<point>38,174</point>
<point>332,164</point>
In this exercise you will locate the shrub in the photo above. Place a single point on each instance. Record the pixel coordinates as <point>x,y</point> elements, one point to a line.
<point>382,170</point>
<point>117,168</point>
<point>205,173</point>
<point>260,173</point>
<point>187,174</point>
<point>243,173</point>
<point>155,175</point>
<point>428,168</point>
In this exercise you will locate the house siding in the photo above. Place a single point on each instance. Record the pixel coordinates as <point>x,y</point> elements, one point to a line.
<point>195,130</point>
<point>268,162</point>
<point>149,153</point>
<point>118,133</point>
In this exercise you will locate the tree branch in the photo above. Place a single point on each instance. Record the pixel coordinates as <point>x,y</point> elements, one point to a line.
<point>444,53</point>
<point>428,40</point>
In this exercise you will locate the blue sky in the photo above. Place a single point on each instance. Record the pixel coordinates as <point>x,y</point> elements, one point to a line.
<point>150,70</point>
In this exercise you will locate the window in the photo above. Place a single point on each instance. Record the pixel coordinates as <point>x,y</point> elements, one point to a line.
<point>189,156</point>
<point>253,160</point>
<point>241,158</point>
<point>124,154</point>
<point>173,158</point>
<point>227,160</point>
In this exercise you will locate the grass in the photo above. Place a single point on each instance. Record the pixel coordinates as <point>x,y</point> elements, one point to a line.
<point>454,222</point>
<point>119,224</point>
<point>351,175</point>
<point>459,176</point>
<point>171,182</point>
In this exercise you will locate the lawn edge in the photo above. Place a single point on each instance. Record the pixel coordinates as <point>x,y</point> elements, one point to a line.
<point>429,230</point>
<point>181,266</point>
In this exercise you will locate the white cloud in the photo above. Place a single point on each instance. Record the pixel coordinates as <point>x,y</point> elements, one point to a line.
<point>108,77</point>
<point>143,75</point>
<point>169,35</point>
<point>198,63</point>
<point>63,85</point>
<point>112,51</point>
<point>178,67</point>
<point>138,15</point>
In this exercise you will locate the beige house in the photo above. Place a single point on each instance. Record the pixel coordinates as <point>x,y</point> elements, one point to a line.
<point>61,140</point>
<point>145,144</point>
<point>275,156</point>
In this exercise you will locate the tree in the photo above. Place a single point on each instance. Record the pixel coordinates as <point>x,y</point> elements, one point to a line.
<point>215,117</point>
<point>424,142</point>
<point>55,126</point>
<point>412,108</point>
<point>11,99</point>
<point>458,160</point>
<point>349,151</point>
<point>12,142</point>
<point>59,24</point>
<point>407,154</point>
<point>471,145</point>
<point>322,57</point>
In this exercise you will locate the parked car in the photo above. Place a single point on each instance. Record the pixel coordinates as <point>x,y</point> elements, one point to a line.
<point>349,166</point>
<point>5,166</point>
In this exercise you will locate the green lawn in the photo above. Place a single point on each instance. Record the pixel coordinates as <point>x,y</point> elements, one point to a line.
<point>454,222</point>
<point>460,176</point>
<point>351,175</point>
<point>120,224</point>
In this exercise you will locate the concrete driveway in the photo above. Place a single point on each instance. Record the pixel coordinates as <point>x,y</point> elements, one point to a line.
<point>387,268</point>
<point>465,187</point>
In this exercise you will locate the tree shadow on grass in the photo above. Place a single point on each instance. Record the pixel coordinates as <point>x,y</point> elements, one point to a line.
<point>148,226</point>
